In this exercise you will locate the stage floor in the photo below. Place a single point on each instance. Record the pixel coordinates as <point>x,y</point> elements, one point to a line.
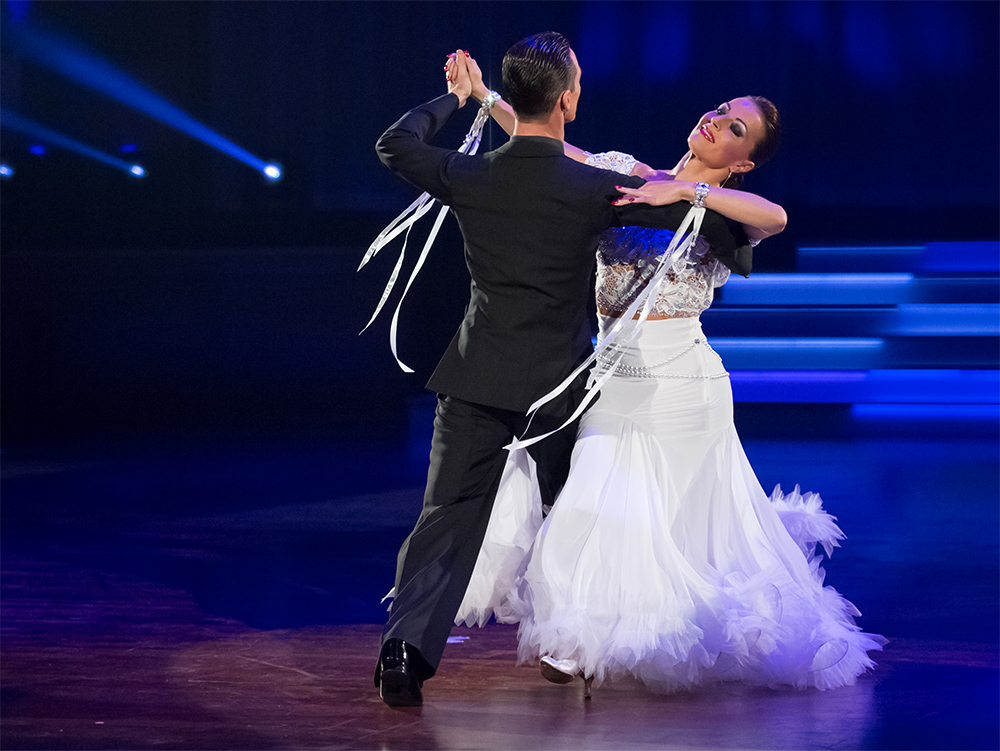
<point>224,594</point>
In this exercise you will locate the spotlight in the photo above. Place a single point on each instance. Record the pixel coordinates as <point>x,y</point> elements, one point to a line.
<point>86,68</point>
<point>14,121</point>
<point>272,171</point>
<point>129,148</point>
<point>6,171</point>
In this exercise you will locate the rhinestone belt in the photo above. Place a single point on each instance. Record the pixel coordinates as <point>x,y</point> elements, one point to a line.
<point>645,371</point>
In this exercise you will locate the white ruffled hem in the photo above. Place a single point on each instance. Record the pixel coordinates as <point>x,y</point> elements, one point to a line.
<point>753,631</point>
<point>506,549</point>
<point>767,629</point>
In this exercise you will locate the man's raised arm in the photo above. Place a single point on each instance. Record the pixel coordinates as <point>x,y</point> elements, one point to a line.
<point>404,147</point>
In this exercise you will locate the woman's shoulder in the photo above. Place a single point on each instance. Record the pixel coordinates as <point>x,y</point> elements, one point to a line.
<point>616,161</point>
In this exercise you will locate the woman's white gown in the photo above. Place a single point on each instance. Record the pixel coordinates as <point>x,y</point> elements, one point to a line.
<point>663,558</point>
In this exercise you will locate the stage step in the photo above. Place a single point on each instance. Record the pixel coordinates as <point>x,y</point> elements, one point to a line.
<point>852,353</point>
<point>924,307</point>
<point>891,386</point>
<point>877,327</point>
<point>972,320</point>
<point>854,289</point>
<point>936,257</point>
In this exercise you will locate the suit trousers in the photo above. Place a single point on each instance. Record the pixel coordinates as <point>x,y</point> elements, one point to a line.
<point>467,459</point>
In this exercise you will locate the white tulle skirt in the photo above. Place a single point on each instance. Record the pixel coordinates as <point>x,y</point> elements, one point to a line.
<point>663,558</point>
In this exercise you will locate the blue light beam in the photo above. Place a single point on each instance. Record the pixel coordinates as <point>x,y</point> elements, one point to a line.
<point>87,69</point>
<point>14,121</point>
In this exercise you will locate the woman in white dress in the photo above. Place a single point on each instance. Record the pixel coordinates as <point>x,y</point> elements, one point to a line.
<point>663,558</point>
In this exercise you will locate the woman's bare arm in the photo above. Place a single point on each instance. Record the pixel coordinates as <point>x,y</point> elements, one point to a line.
<point>760,218</point>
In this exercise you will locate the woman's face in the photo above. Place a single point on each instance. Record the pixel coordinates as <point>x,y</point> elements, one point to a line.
<point>725,136</point>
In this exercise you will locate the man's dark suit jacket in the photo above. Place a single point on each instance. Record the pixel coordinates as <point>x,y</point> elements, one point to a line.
<point>531,218</point>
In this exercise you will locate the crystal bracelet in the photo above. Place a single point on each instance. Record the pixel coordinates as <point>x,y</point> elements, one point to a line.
<point>700,193</point>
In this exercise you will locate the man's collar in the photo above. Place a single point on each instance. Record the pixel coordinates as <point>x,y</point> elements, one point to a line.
<point>528,146</point>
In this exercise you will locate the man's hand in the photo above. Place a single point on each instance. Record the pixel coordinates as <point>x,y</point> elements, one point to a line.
<point>458,76</point>
<point>479,89</point>
<point>657,193</point>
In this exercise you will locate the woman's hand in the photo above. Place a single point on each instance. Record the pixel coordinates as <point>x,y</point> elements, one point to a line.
<point>479,90</point>
<point>657,192</point>
<point>501,111</point>
<point>458,75</point>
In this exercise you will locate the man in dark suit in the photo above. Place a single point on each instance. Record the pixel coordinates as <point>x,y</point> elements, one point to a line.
<point>530,218</point>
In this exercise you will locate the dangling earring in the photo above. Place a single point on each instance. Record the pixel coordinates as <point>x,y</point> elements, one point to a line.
<point>726,180</point>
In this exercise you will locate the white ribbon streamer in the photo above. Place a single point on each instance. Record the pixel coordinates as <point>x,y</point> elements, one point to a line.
<point>405,222</point>
<point>623,332</point>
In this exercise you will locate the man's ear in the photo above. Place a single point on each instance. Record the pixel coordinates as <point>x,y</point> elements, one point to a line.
<point>565,100</point>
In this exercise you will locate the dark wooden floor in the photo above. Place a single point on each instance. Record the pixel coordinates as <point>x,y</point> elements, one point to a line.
<point>311,688</point>
<point>225,595</point>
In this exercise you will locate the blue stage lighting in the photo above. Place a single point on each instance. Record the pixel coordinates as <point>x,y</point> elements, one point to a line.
<point>877,386</point>
<point>37,149</point>
<point>138,171</point>
<point>904,412</point>
<point>14,121</point>
<point>6,171</point>
<point>800,344</point>
<point>129,148</point>
<point>819,289</point>
<point>273,171</point>
<point>18,9</point>
<point>799,353</point>
<point>87,69</point>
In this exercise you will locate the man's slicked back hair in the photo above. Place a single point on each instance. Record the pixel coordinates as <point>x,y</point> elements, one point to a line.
<point>536,71</point>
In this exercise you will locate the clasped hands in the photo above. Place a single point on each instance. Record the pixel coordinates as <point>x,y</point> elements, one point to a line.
<point>464,77</point>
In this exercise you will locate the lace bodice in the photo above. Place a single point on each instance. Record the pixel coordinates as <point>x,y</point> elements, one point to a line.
<point>625,252</point>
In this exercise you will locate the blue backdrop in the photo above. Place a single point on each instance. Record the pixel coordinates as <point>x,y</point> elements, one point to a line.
<point>205,292</point>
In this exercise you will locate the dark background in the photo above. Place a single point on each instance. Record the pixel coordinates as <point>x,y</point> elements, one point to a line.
<point>203,297</point>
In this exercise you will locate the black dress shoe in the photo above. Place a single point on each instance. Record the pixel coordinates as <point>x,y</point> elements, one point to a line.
<point>396,674</point>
